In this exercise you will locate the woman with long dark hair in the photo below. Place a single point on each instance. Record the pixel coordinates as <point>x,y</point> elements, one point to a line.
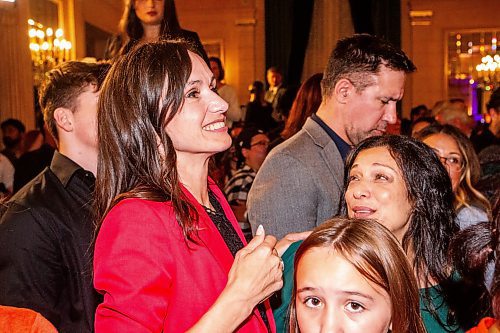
<point>149,20</point>
<point>169,255</point>
<point>401,183</point>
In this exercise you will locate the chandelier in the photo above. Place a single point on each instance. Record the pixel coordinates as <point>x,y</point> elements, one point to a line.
<point>48,49</point>
<point>488,71</point>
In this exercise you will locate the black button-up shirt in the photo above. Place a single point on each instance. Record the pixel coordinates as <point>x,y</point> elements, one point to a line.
<point>45,234</point>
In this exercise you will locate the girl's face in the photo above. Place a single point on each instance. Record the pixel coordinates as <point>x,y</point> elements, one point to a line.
<point>149,12</point>
<point>449,153</point>
<point>332,296</point>
<point>199,126</point>
<point>377,190</point>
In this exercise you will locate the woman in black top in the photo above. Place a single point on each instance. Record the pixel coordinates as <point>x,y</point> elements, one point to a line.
<point>149,20</point>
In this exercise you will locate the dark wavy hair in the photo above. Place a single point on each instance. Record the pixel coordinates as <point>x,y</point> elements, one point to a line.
<point>432,223</point>
<point>466,194</point>
<point>472,249</point>
<point>359,57</point>
<point>495,290</point>
<point>429,192</point>
<point>306,102</point>
<point>142,93</point>
<point>376,254</point>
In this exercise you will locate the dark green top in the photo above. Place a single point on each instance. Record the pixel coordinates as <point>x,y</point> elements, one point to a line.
<point>281,313</point>
<point>431,324</point>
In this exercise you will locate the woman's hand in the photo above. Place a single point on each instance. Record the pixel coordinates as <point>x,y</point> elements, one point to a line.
<point>257,270</point>
<point>255,275</point>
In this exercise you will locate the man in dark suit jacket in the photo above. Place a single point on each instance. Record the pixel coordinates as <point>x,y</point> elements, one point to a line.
<point>275,92</point>
<point>299,185</point>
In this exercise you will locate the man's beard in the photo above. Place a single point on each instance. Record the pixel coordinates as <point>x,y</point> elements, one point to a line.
<point>355,137</point>
<point>10,142</point>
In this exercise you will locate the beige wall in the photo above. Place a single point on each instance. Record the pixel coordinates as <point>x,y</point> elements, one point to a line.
<point>425,44</point>
<point>103,14</point>
<point>239,25</point>
<point>16,84</point>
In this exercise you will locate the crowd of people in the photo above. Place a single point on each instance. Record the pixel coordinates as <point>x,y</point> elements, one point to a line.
<point>167,207</point>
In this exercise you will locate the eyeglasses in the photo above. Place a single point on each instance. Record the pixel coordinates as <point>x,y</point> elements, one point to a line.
<point>260,143</point>
<point>454,163</point>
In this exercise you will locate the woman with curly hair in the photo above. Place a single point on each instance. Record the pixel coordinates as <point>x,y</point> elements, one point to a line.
<point>475,249</point>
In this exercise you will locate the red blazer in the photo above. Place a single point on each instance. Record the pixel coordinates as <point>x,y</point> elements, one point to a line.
<point>151,279</point>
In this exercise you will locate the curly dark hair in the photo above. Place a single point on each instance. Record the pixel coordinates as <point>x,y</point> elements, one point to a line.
<point>472,249</point>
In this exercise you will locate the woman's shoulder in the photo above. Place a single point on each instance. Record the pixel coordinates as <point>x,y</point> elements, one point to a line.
<point>140,202</point>
<point>136,218</point>
<point>432,305</point>
<point>140,209</point>
<point>469,215</point>
<point>189,35</point>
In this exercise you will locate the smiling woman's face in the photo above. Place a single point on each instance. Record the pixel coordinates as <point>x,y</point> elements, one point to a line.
<point>332,296</point>
<point>377,190</point>
<point>199,126</point>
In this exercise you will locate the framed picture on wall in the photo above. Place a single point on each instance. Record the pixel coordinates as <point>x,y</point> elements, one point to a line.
<point>214,48</point>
